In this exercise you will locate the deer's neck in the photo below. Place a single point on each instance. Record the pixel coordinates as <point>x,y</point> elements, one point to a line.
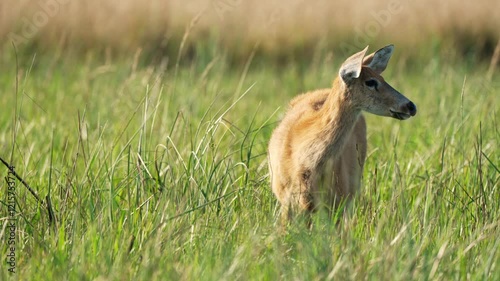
<point>338,118</point>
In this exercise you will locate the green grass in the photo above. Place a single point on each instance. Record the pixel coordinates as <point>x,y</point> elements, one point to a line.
<point>158,172</point>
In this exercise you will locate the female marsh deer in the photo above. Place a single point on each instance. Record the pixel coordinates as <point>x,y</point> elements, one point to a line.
<point>319,148</point>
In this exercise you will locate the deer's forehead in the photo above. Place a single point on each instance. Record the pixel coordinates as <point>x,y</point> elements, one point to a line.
<point>367,73</point>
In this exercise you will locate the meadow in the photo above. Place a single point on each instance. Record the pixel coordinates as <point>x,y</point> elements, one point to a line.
<point>154,161</point>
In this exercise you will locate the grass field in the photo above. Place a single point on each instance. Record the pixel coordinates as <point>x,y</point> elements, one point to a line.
<point>155,164</point>
<point>161,174</point>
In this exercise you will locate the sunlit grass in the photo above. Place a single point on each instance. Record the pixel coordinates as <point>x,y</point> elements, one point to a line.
<point>158,173</point>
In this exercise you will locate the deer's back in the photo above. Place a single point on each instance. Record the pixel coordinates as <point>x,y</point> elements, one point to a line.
<point>339,176</point>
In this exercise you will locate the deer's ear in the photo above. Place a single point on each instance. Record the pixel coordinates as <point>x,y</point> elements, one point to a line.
<point>351,68</point>
<point>378,61</point>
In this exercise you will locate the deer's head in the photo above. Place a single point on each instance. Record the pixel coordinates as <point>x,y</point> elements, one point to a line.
<point>367,89</point>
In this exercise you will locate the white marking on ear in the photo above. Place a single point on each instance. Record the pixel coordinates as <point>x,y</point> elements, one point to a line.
<point>378,61</point>
<point>351,68</point>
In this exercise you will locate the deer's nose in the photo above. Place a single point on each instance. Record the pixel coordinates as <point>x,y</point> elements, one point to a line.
<point>412,108</point>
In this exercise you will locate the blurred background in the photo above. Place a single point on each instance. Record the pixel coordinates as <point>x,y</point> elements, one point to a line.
<point>275,29</point>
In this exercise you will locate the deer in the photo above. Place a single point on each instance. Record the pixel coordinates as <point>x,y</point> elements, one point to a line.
<point>318,150</point>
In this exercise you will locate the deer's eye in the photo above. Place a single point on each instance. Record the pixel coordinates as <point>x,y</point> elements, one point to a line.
<point>371,83</point>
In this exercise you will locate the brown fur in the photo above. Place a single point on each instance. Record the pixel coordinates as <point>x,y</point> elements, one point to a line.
<point>318,150</point>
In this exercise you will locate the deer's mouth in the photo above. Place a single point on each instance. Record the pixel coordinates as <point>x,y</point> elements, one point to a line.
<point>400,115</point>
